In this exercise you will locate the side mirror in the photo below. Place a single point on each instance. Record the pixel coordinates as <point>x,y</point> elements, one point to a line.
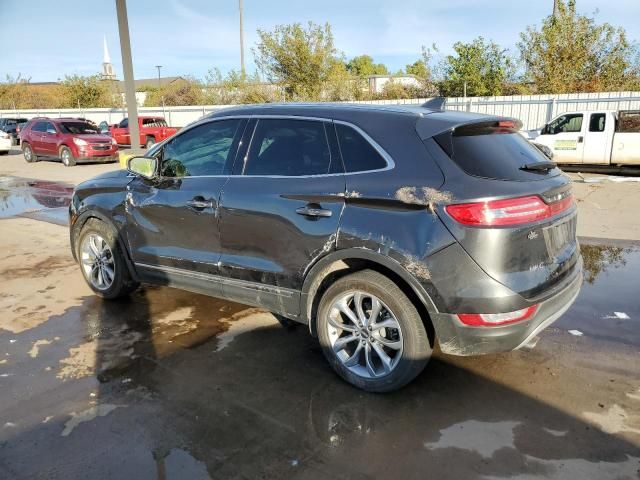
<point>144,166</point>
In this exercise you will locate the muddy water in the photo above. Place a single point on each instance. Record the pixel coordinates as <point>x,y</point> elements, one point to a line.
<point>38,199</point>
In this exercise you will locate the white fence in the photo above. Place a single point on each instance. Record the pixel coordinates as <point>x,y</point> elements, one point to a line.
<point>533,110</point>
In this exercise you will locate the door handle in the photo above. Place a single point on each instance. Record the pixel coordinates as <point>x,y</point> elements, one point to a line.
<point>199,203</point>
<point>580,139</point>
<point>313,211</point>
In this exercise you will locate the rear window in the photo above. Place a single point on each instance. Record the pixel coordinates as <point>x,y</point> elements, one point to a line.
<point>629,122</point>
<point>357,153</point>
<point>154,122</point>
<point>488,151</point>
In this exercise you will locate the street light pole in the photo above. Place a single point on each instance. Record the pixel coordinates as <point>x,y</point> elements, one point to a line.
<point>241,7</point>
<point>159,67</point>
<point>127,69</point>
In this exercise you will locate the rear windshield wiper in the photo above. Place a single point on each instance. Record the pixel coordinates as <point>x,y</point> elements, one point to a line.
<point>538,166</point>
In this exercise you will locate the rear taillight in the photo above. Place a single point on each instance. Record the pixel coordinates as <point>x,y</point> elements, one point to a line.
<point>496,319</point>
<point>512,211</point>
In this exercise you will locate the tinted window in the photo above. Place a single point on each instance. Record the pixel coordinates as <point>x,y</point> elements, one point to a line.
<point>124,123</point>
<point>289,148</point>
<point>566,124</point>
<point>357,153</point>
<point>202,150</point>
<point>39,127</point>
<point>629,122</point>
<point>77,127</point>
<point>597,122</point>
<point>495,153</point>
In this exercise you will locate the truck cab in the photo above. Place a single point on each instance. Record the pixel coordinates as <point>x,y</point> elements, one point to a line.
<point>597,138</point>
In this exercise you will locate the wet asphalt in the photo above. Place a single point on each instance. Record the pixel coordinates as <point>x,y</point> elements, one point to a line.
<point>173,385</point>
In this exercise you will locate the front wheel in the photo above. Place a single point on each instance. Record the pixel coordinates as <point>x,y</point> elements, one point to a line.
<point>68,160</point>
<point>102,261</point>
<point>371,333</point>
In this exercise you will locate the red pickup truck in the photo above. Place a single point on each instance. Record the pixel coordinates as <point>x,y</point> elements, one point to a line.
<point>152,130</point>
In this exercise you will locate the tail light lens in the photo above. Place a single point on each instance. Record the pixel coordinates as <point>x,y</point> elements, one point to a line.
<point>496,319</point>
<point>512,211</point>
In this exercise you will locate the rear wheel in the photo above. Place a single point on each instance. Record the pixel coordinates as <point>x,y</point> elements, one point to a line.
<point>68,160</point>
<point>27,151</point>
<point>150,142</point>
<point>102,261</point>
<point>371,333</point>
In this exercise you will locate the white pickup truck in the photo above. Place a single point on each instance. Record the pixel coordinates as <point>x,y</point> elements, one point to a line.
<point>594,137</point>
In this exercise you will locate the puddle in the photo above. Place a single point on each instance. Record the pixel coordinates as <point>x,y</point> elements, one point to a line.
<point>607,307</point>
<point>37,199</point>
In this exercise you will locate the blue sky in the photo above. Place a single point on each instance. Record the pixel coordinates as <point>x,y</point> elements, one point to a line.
<point>189,37</point>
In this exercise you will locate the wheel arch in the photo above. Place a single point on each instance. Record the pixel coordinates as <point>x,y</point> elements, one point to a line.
<point>347,261</point>
<point>80,222</point>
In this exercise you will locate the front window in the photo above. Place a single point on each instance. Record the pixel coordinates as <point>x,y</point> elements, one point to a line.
<point>202,150</point>
<point>571,123</point>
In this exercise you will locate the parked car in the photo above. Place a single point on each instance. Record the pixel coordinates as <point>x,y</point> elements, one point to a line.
<point>5,143</point>
<point>69,139</point>
<point>12,127</point>
<point>383,229</point>
<point>596,138</point>
<point>152,131</point>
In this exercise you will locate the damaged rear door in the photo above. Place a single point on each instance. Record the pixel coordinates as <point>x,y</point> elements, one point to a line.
<point>280,210</point>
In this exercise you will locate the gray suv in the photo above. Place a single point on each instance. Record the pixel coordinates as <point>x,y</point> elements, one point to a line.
<point>383,229</point>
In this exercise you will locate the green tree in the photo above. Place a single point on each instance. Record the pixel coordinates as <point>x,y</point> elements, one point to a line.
<point>363,66</point>
<point>572,53</point>
<point>85,92</point>
<point>299,58</point>
<point>184,91</point>
<point>483,65</point>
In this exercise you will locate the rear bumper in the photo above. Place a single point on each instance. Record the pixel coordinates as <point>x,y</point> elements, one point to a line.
<point>455,338</point>
<point>5,144</point>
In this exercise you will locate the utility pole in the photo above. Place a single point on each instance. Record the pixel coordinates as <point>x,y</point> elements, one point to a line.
<point>556,8</point>
<point>127,70</point>
<point>241,7</point>
<point>159,67</point>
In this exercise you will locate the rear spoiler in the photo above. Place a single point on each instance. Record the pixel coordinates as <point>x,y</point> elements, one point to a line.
<point>448,121</point>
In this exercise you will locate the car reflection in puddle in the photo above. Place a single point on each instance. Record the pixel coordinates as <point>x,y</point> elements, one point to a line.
<point>38,199</point>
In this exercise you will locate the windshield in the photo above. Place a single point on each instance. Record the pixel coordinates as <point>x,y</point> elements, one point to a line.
<point>77,127</point>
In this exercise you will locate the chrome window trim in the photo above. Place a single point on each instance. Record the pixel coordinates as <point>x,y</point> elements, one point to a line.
<point>388,159</point>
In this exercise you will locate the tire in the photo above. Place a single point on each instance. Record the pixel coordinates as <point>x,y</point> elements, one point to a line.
<point>411,349</point>
<point>121,283</point>
<point>28,153</point>
<point>4,152</point>
<point>150,142</point>
<point>68,160</point>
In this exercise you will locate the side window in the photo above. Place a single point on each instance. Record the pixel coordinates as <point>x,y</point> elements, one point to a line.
<point>124,123</point>
<point>202,150</point>
<point>566,124</point>
<point>48,127</point>
<point>597,122</point>
<point>357,153</point>
<point>288,148</point>
<point>39,127</point>
<point>629,122</point>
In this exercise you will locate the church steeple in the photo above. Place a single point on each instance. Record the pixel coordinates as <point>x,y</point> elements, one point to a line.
<point>107,67</point>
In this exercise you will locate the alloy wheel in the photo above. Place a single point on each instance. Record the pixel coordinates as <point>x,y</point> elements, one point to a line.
<point>97,261</point>
<point>365,335</point>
